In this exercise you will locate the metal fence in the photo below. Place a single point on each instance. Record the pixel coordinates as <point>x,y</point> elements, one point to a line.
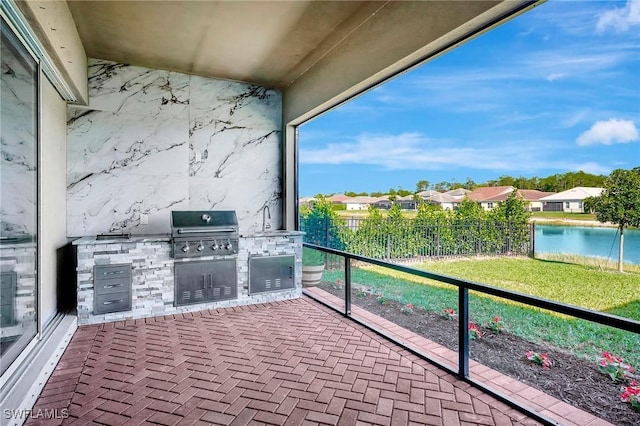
<point>403,240</point>
<point>463,286</point>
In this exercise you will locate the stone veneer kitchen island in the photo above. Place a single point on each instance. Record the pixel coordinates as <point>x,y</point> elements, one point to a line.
<point>153,291</point>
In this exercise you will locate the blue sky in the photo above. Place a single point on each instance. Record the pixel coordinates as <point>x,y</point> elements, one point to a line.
<point>554,90</point>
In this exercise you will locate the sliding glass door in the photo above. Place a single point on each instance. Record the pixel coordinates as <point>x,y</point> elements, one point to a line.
<point>18,197</point>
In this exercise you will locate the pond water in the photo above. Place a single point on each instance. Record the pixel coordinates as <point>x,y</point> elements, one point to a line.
<point>587,241</point>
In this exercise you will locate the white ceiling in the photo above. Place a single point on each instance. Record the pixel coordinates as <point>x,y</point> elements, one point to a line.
<point>271,43</point>
<point>266,42</point>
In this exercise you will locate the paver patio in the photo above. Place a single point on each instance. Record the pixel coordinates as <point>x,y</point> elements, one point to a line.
<point>294,362</point>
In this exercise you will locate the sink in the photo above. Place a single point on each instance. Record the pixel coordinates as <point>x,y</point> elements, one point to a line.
<point>117,236</point>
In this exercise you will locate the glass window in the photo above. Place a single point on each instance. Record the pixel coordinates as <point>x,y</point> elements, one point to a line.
<point>18,197</point>
<point>567,204</point>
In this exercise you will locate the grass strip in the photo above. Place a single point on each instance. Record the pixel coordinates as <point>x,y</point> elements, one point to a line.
<point>580,337</point>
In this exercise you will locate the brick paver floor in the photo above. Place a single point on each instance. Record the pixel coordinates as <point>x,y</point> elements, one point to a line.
<point>293,362</point>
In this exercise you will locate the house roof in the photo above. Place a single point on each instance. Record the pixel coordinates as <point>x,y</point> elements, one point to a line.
<point>525,194</point>
<point>444,198</point>
<point>459,192</point>
<point>362,199</point>
<point>338,198</point>
<point>578,193</point>
<point>383,199</point>
<point>489,193</point>
<point>428,193</point>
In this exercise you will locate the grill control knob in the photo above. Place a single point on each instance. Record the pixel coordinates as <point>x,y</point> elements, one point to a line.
<point>228,246</point>
<point>214,246</point>
<point>200,247</point>
<point>185,248</point>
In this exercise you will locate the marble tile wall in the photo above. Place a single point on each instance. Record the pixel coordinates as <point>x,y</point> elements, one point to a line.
<point>18,103</point>
<point>152,141</point>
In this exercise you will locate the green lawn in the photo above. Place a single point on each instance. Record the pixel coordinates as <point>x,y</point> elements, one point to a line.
<point>580,285</point>
<point>569,283</point>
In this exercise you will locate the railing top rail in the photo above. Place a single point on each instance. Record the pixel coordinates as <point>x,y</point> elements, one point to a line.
<point>576,311</point>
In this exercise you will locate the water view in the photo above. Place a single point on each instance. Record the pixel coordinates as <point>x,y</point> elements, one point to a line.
<point>587,241</point>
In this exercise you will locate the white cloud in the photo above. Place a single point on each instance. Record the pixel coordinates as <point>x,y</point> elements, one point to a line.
<point>609,132</point>
<point>620,19</point>
<point>414,151</point>
<point>555,76</point>
<point>591,167</point>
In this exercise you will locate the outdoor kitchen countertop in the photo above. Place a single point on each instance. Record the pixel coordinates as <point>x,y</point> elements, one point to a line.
<point>274,233</point>
<point>148,238</point>
<point>153,238</point>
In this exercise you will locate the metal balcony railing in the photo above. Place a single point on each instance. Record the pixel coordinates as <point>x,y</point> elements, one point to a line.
<point>463,287</point>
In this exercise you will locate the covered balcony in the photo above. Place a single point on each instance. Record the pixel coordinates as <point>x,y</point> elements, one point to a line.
<point>138,109</point>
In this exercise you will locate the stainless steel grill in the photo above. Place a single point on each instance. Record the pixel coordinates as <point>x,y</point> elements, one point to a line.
<point>197,233</point>
<point>205,246</point>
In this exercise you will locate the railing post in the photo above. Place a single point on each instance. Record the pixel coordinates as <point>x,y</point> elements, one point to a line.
<point>326,232</point>
<point>463,331</point>
<point>532,240</point>
<point>388,246</point>
<point>326,240</point>
<point>347,286</point>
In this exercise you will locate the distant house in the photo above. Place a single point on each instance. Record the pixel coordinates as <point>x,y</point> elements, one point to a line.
<point>382,203</point>
<point>338,198</point>
<point>360,202</point>
<point>306,201</point>
<point>530,196</point>
<point>427,194</point>
<point>569,201</point>
<point>459,192</point>
<point>446,201</point>
<point>489,196</point>
<point>408,202</point>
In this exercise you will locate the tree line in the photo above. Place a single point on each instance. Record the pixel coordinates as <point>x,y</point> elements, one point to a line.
<point>555,183</point>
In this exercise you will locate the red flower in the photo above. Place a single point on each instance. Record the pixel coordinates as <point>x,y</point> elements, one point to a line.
<point>474,331</point>
<point>540,359</point>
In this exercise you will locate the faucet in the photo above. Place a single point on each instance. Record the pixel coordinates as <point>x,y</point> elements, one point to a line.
<point>266,212</point>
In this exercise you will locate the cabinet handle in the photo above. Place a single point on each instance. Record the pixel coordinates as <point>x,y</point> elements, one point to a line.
<point>290,271</point>
<point>113,285</point>
<point>109,302</point>
<point>210,281</point>
<point>114,272</point>
<point>204,284</point>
